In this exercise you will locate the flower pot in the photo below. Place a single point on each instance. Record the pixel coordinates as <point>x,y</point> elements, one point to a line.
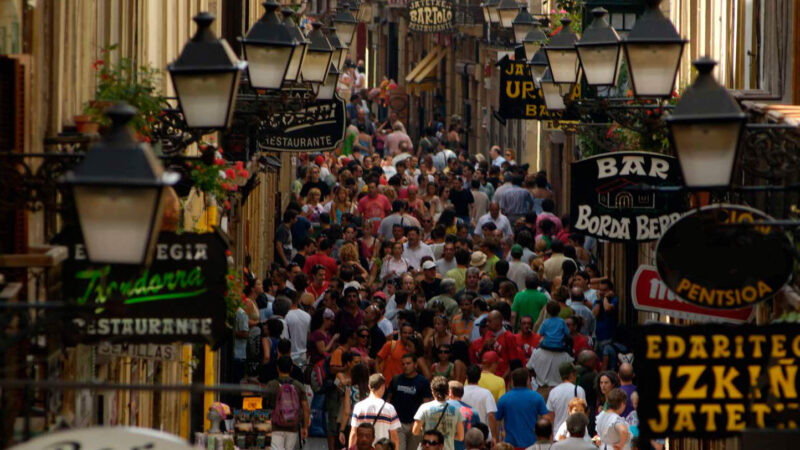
<point>86,124</point>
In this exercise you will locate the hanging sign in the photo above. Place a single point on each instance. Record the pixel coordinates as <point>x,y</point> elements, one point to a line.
<point>604,204</point>
<point>710,264</point>
<point>430,16</point>
<point>716,380</point>
<point>649,293</point>
<point>180,297</point>
<point>106,438</point>
<point>520,99</point>
<point>316,128</point>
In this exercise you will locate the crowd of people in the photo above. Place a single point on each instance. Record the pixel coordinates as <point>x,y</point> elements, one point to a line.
<point>428,297</point>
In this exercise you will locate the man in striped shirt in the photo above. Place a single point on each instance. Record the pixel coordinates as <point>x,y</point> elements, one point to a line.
<point>376,411</point>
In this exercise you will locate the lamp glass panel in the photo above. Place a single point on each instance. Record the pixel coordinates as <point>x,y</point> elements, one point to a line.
<point>117,221</point>
<point>520,31</point>
<point>327,89</point>
<point>507,16</point>
<point>316,66</point>
<point>342,59</point>
<point>537,71</point>
<point>706,151</point>
<point>267,65</point>
<point>552,97</point>
<point>564,65</point>
<point>653,68</point>
<point>296,62</point>
<point>494,17</point>
<point>531,48</point>
<point>600,64</point>
<point>486,16</point>
<point>345,31</point>
<point>205,98</point>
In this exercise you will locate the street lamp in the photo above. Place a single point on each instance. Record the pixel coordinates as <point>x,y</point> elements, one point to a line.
<point>339,49</point>
<point>522,24</point>
<point>206,78</point>
<point>345,25</point>
<point>705,129</point>
<point>328,88</point>
<point>318,58</point>
<point>533,40</point>
<point>299,54</point>
<point>490,9</point>
<point>562,56</point>
<point>599,51</point>
<point>551,92</point>
<point>118,190</point>
<point>537,65</point>
<point>268,49</point>
<point>653,51</point>
<point>507,11</point>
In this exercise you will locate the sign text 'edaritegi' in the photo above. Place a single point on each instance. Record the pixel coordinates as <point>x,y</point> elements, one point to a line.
<point>716,380</point>
<point>606,205</point>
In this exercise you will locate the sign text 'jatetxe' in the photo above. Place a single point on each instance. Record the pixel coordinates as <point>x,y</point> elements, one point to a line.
<point>717,380</point>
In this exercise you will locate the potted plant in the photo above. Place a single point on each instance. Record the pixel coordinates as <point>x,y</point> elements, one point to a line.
<point>124,80</point>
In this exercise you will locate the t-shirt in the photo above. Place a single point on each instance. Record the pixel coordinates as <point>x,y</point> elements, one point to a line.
<point>298,322</point>
<point>629,389</point>
<point>558,401</point>
<point>482,400</point>
<point>283,237</point>
<point>317,336</point>
<point>271,396</point>
<point>471,419</point>
<point>460,326</point>
<point>331,267</point>
<point>461,201</point>
<point>606,322</point>
<point>344,320</point>
<point>493,383</point>
<point>606,429</point>
<point>430,413</point>
<point>529,302</point>
<point>392,355</point>
<point>520,408</point>
<point>431,289</point>
<point>377,207</point>
<point>409,394</point>
<point>527,344</point>
<point>553,331</point>
<point>367,411</point>
<point>415,255</point>
<point>240,344</point>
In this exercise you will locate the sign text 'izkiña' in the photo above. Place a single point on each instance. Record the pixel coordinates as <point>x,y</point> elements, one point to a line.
<point>717,380</point>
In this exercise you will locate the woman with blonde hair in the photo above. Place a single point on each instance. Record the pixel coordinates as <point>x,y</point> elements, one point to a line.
<point>576,405</point>
<point>348,255</point>
<point>341,204</point>
<point>313,208</point>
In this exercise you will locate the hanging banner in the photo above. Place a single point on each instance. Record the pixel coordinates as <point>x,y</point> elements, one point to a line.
<point>606,205</point>
<point>430,16</point>
<point>107,438</point>
<point>716,380</point>
<point>711,264</point>
<point>520,99</point>
<point>649,293</point>
<point>316,128</point>
<point>180,297</point>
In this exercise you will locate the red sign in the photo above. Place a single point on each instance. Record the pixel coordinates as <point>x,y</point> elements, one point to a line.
<point>649,293</point>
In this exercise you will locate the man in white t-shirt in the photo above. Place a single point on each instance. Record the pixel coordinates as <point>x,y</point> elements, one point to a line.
<point>298,322</point>
<point>560,396</point>
<point>377,412</point>
<point>481,399</point>
<point>414,250</point>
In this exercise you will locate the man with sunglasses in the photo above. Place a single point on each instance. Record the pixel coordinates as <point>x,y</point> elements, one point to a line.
<point>432,440</point>
<point>440,415</point>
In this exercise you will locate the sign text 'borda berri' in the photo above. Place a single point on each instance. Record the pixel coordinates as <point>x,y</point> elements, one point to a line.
<point>316,128</point>
<point>606,205</point>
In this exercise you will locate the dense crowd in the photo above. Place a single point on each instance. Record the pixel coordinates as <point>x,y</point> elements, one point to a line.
<point>425,296</point>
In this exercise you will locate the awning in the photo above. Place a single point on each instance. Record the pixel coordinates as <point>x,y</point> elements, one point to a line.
<point>421,65</point>
<point>425,69</point>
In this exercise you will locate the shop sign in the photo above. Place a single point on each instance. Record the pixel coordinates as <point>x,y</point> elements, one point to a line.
<point>711,264</point>
<point>430,16</point>
<point>161,352</point>
<point>106,438</point>
<point>606,205</point>
<point>716,380</point>
<point>649,293</point>
<point>180,297</point>
<point>316,128</point>
<point>520,99</point>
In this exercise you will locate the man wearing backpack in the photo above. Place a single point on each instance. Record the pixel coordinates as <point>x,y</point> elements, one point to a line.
<point>376,411</point>
<point>289,410</point>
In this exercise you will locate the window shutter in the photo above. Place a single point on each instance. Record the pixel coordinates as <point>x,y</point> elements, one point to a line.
<point>12,139</point>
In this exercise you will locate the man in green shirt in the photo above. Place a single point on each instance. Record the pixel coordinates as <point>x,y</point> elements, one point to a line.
<point>529,302</point>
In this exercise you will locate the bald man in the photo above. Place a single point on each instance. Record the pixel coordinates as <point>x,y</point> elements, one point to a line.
<point>496,339</point>
<point>496,217</point>
<point>626,384</point>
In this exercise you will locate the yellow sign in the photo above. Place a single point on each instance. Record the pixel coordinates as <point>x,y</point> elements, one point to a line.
<point>251,403</point>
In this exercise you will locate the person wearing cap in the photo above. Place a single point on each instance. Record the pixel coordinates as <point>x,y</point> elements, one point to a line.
<point>478,259</point>
<point>430,283</point>
<point>518,270</point>
<point>497,218</point>
<point>560,396</point>
<point>490,381</point>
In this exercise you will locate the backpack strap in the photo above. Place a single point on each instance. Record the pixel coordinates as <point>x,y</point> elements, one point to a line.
<point>378,415</point>
<point>444,410</point>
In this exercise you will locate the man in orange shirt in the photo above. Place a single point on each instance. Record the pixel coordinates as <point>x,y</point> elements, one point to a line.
<point>390,357</point>
<point>462,323</point>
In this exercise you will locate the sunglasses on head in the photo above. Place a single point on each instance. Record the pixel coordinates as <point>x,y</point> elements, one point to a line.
<point>430,442</point>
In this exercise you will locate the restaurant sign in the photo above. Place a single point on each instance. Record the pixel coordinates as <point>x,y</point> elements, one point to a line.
<point>716,380</point>
<point>180,297</point>
<point>520,99</point>
<point>106,438</point>
<point>649,293</point>
<point>430,16</point>
<point>316,128</point>
<point>708,261</point>
<point>606,204</point>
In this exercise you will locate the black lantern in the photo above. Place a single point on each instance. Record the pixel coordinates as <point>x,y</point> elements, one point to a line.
<point>537,65</point>
<point>206,78</point>
<point>339,50</point>
<point>299,54</point>
<point>533,40</point>
<point>319,55</point>
<point>562,57</point>
<point>551,91</point>
<point>328,88</point>
<point>599,51</point>
<point>490,9</point>
<point>118,190</point>
<point>507,11</point>
<point>705,129</point>
<point>522,24</point>
<point>653,51</point>
<point>345,25</point>
<point>268,48</point>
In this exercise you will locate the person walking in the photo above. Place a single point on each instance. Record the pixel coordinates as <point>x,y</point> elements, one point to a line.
<point>576,426</point>
<point>286,400</point>
<point>440,415</point>
<point>471,417</point>
<point>376,411</point>
<point>519,408</point>
<point>611,427</point>
<point>481,399</point>
<point>560,396</point>
<point>408,391</point>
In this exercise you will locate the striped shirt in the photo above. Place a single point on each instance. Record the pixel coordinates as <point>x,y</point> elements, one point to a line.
<point>366,411</point>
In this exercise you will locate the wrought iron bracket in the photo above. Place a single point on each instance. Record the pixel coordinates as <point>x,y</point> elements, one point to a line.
<point>771,150</point>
